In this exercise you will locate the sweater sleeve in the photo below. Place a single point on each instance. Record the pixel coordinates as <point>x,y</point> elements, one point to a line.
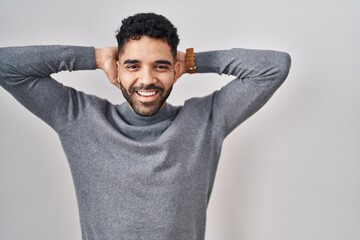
<point>25,73</point>
<point>258,74</point>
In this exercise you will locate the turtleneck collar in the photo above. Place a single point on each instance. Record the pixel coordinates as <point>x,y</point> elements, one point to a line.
<point>130,117</point>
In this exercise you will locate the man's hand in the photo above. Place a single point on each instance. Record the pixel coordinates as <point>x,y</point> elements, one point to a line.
<point>105,59</point>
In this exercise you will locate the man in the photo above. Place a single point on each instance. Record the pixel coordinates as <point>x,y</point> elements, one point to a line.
<point>143,169</point>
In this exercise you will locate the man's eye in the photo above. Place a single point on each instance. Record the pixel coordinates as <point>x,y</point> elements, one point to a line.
<point>162,67</point>
<point>132,67</point>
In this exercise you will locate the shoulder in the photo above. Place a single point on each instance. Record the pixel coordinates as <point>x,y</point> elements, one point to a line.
<point>199,106</point>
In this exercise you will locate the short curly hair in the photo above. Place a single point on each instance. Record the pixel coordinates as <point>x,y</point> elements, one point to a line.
<point>147,24</point>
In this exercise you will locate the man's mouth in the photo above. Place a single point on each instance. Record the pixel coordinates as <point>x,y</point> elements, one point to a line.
<point>147,93</point>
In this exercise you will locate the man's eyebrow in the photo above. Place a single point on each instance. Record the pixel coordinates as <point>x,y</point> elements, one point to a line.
<point>163,61</point>
<point>160,61</point>
<point>131,61</point>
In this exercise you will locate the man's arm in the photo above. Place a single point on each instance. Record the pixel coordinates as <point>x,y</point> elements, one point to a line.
<point>258,74</point>
<point>25,73</point>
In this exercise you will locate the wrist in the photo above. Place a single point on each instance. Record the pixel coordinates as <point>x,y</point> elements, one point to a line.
<point>98,58</point>
<point>190,58</point>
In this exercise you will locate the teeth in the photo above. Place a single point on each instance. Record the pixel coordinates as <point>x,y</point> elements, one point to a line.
<point>147,94</point>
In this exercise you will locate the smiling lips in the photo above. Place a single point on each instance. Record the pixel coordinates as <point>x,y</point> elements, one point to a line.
<point>146,93</point>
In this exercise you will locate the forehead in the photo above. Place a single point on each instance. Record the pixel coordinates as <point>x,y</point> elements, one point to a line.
<point>146,49</point>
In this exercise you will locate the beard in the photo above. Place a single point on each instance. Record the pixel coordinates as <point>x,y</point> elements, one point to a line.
<point>145,109</point>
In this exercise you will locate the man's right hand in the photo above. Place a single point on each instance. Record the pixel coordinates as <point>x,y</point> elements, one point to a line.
<point>105,59</point>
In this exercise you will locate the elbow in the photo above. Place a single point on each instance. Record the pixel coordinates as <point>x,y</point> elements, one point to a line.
<point>284,65</point>
<point>281,63</point>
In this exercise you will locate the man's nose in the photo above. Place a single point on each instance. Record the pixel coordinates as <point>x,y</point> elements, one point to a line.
<point>147,77</point>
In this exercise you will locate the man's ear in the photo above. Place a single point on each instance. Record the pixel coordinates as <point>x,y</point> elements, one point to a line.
<point>118,70</point>
<point>177,73</point>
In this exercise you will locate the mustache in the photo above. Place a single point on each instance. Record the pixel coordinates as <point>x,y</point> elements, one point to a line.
<point>146,87</point>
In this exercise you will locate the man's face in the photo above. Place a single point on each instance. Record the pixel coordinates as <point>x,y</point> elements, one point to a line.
<point>146,72</point>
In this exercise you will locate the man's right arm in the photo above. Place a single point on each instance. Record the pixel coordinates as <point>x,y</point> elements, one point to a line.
<point>25,73</point>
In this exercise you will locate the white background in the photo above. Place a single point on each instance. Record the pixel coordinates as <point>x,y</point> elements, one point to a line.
<point>292,171</point>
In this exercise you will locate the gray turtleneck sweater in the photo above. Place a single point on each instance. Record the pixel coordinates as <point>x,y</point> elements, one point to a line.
<point>139,177</point>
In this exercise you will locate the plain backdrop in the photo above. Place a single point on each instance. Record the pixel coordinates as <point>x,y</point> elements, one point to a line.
<point>291,171</point>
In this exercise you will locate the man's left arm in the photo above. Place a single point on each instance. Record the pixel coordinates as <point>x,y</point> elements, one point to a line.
<point>258,74</point>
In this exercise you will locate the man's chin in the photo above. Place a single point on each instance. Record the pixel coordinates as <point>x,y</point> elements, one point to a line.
<point>146,111</point>
<point>146,107</point>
